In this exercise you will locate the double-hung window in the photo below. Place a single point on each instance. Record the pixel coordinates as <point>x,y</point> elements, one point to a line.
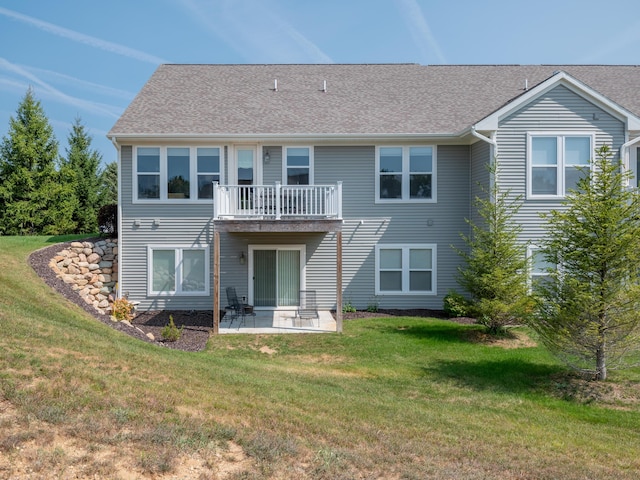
<point>540,268</point>
<point>405,174</point>
<point>557,162</point>
<point>298,165</point>
<point>405,269</point>
<point>178,270</point>
<point>148,168</point>
<point>175,174</point>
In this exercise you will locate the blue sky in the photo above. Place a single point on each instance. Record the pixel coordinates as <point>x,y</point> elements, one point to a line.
<point>88,59</point>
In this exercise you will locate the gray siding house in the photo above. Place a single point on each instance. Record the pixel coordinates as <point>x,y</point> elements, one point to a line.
<point>351,180</point>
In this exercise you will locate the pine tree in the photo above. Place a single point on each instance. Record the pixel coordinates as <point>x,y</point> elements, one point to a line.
<point>80,170</point>
<point>589,310</point>
<point>32,198</point>
<point>108,190</point>
<point>496,266</point>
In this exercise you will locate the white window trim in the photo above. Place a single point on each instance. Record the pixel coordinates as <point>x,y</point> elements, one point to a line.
<point>193,174</point>
<point>531,249</point>
<point>406,247</point>
<point>303,268</point>
<point>406,175</point>
<point>285,166</point>
<point>178,249</point>
<point>560,175</point>
<point>258,160</point>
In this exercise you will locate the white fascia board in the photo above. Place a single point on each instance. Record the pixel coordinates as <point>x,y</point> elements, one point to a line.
<point>491,122</point>
<point>284,138</point>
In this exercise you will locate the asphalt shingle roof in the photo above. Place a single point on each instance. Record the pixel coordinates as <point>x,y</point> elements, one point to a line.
<point>360,99</point>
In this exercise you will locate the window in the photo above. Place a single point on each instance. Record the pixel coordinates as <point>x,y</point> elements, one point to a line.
<point>298,165</point>
<point>176,173</point>
<point>540,268</point>
<point>178,176</point>
<point>178,271</point>
<point>405,174</point>
<point>557,162</point>
<point>148,173</point>
<point>405,269</point>
<point>208,171</point>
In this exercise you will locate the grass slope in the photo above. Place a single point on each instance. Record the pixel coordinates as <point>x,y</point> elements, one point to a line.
<point>390,398</point>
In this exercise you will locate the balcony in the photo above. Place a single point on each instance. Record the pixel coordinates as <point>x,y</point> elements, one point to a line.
<point>277,202</point>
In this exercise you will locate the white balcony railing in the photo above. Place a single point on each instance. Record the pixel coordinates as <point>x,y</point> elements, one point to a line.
<point>277,201</point>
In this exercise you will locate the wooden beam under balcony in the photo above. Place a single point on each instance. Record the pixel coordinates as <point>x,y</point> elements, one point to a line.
<point>293,225</point>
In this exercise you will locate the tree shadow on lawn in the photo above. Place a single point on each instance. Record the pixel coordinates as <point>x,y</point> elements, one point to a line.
<point>509,375</point>
<point>438,331</point>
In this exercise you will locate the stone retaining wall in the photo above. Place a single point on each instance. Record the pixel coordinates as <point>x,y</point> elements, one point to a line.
<point>91,268</point>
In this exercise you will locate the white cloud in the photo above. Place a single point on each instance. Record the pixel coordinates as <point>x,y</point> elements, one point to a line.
<point>420,31</point>
<point>53,93</point>
<point>76,82</point>
<point>84,39</point>
<point>254,29</point>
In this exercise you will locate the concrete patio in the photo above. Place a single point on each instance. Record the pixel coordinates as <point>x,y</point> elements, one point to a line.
<point>279,321</point>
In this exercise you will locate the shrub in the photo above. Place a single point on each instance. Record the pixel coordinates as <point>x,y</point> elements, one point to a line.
<point>455,304</point>
<point>122,309</point>
<point>373,304</point>
<point>108,219</point>
<point>348,308</point>
<point>170,332</point>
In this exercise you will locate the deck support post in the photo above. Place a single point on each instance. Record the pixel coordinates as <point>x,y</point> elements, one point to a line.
<point>339,282</point>
<point>216,282</point>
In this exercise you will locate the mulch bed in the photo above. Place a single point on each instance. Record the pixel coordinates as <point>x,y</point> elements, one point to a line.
<point>197,324</point>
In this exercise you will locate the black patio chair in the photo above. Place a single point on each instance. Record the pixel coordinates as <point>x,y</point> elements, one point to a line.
<point>237,309</point>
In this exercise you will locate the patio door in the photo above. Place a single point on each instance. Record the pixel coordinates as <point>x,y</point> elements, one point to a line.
<point>246,175</point>
<point>277,275</point>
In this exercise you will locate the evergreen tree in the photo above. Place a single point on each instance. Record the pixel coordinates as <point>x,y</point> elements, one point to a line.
<point>496,266</point>
<point>108,190</point>
<point>589,310</point>
<point>32,197</point>
<point>80,170</point>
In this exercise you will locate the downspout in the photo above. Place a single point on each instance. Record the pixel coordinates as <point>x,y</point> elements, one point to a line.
<point>117,147</point>
<point>493,152</point>
<point>624,154</point>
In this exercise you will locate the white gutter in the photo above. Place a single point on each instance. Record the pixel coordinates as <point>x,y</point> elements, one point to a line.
<point>117,147</point>
<point>491,141</point>
<point>365,138</point>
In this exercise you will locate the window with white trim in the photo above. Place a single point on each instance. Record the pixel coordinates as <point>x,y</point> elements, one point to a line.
<point>405,269</point>
<point>178,270</point>
<point>556,162</point>
<point>405,174</point>
<point>208,167</point>
<point>176,174</point>
<point>298,165</point>
<point>148,173</point>
<point>540,267</point>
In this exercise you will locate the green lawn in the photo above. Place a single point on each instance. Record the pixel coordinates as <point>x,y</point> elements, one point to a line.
<point>406,398</point>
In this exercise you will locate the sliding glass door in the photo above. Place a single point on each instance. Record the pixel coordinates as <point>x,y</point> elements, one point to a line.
<point>277,275</point>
